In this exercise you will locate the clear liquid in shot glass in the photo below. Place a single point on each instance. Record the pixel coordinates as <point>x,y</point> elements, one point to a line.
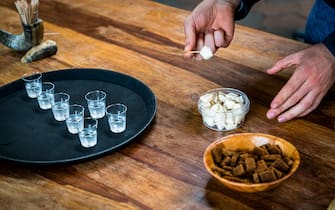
<point>96,102</point>
<point>46,97</point>
<point>75,123</point>
<point>97,109</point>
<point>33,89</point>
<point>60,111</point>
<point>117,117</point>
<point>45,100</point>
<point>88,137</point>
<point>33,84</point>
<point>117,124</point>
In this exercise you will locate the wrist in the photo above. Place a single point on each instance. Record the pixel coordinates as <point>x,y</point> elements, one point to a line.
<point>329,43</point>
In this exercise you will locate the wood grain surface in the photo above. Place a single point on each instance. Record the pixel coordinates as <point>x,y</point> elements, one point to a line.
<point>163,168</point>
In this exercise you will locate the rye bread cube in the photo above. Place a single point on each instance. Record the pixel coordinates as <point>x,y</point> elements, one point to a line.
<point>280,165</point>
<point>239,170</point>
<point>261,166</point>
<point>250,164</point>
<point>273,149</point>
<point>267,176</point>
<point>217,155</point>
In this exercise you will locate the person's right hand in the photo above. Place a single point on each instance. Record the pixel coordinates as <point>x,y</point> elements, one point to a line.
<point>314,75</point>
<point>211,23</point>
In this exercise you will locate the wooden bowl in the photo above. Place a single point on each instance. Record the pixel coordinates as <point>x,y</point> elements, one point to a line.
<point>247,141</point>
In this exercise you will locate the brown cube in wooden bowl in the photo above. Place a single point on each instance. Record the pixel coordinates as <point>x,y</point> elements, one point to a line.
<point>248,142</point>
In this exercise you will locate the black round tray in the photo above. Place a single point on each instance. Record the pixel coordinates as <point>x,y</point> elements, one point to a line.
<point>32,136</point>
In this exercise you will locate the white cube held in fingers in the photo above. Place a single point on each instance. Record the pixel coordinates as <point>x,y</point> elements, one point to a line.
<point>206,52</point>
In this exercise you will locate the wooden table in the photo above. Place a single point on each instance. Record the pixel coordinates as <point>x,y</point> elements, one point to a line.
<point>163,168</point>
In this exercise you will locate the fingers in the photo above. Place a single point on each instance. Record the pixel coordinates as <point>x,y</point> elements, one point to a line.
<point>303,92</point>
<point>316,102</point>
<point>291,92</point>
<point>283,63</point>
<point>203,40</point>
<point>199,45</point>
<point>288,97</point>
<point>210,41</point>
<point>224,25</point>
<point>313,77</point>
<point>219,40</point>
<point>190,36</point>
<point>308,103</point>
<point>213,19</point>
<point>297,98</point>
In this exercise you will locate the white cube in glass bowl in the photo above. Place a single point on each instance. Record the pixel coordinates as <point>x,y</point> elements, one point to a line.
<point>223,109</point>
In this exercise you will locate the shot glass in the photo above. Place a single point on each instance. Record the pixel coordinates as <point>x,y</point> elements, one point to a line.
<point>33,84</point>
<point>96,102</point>
<point>60,106</point>
<point>46,97</point>
<point>88,135</point>
<point>117,117</point>
<point>75,120</point>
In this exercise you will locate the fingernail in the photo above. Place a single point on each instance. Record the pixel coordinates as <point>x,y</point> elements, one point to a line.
<point>281,119</point>
<point>271,114</point>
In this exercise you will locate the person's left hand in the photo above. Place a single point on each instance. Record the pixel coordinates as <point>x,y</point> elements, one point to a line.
<point>313,76</point>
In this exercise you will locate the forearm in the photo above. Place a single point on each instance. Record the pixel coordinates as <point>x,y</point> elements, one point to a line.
<point>329,42</point>
<point>244,8</point>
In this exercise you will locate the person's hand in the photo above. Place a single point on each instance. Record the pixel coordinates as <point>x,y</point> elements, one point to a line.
<point>313,76</point>
<point>211,23</point>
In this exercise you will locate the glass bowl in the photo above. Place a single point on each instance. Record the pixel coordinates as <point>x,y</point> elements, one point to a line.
<point>223,109</point>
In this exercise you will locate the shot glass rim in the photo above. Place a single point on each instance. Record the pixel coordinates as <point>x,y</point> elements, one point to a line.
<point>49,83</point>
<point>116,104</point>
<point>96,91</point>
<point>78,105</point>
<point>90,118</point>
<point>62,93</point>
<point>31,74</point>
